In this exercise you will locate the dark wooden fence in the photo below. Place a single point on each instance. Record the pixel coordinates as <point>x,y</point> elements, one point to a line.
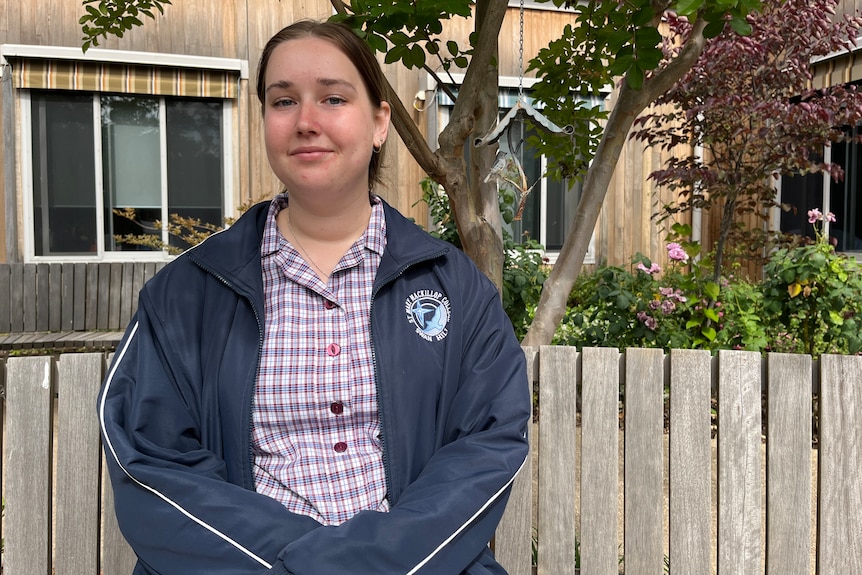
<point>69,305</point>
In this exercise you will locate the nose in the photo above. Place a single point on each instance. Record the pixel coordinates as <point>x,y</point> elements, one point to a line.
<point>307,121</point>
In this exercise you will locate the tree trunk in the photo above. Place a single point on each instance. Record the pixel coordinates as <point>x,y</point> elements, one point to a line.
<point>555,291</point>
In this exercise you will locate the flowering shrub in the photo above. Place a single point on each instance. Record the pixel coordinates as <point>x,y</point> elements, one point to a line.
<point>813,295</point>
<point>642,307</point>
<point>808,302</point>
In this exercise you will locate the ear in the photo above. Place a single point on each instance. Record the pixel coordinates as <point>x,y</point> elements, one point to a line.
<point>381,122</point>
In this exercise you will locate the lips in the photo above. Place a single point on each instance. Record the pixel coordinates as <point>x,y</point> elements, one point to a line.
<point>309,152</point>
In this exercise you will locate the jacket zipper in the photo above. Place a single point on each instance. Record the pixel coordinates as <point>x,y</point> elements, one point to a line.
<point>377,379</point>
<point>249,479</point>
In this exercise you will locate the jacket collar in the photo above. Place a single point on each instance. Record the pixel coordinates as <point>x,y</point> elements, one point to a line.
<point>233,255</point>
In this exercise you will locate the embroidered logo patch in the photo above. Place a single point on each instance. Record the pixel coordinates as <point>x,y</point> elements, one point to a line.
<point>428,311</point>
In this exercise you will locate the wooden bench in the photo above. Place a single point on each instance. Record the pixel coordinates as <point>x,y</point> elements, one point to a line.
<point>585,468</point>
<point>69,305</point>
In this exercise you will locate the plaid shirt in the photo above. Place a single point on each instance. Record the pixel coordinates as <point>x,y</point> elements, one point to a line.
<point>315,423</point>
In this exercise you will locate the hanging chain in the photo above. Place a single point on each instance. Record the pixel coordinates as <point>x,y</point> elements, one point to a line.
<point>521,51</point>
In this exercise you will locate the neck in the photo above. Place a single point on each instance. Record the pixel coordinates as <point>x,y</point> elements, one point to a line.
<point>318,222</point>
<point>323,236</point>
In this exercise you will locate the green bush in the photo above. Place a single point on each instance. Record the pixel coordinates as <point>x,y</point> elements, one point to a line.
<point>812,296</point>
<point>808,302</point>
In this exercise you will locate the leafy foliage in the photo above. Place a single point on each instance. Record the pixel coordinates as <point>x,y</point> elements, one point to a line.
<point>815,295</point>
<point>114,17</point>
<point>809,302</point>
<point>747,104</point>
<point>409,32</point>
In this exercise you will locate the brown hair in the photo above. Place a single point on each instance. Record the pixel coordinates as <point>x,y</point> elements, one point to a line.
<point>357,51</point>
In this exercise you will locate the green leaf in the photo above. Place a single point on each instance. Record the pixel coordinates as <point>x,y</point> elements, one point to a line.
<point>740,26</point>
<point>635,77</point>
<point>713,29</point>
<point>687,7</point>
<point>712,290</point>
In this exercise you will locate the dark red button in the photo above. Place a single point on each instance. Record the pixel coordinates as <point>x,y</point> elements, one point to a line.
<point>340,447</point>
<point>328,304</point>
<point>337,407</point>
<point>333,349</point>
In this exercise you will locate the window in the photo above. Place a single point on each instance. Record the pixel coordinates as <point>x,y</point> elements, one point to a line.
<point>820,191</point>
<point>111,130</point>
<point>550,205</point>
<point>95,153</point>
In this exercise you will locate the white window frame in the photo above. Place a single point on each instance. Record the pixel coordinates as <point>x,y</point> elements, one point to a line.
<point>101,254</point>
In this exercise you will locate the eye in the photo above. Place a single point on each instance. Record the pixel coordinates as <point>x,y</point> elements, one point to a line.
<point>335,100</point>
<point>282,103</point>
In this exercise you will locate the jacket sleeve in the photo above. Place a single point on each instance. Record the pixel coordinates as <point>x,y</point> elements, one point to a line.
<point>173,503</point>
<point>443,520</point>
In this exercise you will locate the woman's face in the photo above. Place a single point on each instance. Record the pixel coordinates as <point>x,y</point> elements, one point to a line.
<point>320,125</point>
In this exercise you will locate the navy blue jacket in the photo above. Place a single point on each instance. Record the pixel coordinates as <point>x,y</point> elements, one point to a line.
<point>175,413</point>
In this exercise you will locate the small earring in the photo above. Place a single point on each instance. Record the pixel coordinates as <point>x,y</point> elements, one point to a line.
<point>376,148</point>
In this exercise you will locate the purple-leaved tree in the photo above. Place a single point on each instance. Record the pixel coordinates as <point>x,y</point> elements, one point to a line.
<point>747,105</point>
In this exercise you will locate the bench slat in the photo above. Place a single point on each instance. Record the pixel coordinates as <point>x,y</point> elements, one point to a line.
<point>41,297</point>
<point>55,296</point>
<point>79,297</point>
<point>29,299</point>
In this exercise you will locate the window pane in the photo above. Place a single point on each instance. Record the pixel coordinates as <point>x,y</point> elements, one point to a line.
<point>844,199</point>
<point>195,161</point>
<point>64,182</point>
<point>131,169</point>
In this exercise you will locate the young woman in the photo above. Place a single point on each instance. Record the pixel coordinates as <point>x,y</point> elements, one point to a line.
<point>323,388</point>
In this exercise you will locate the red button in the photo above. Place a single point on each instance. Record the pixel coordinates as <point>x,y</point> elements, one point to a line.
<point>340,447</point>
<point>328,304</point>
<point>333,349</point>
<point>337,407</point>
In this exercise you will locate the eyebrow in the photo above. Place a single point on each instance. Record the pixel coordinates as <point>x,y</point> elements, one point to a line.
<point>285,84</point>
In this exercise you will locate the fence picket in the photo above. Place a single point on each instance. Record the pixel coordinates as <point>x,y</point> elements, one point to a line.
<point>600,462</point>
<point>644,460</point>
<point>840,462</point>
<point>77,512</point>
<point>557,442</point>
<point>513,538</point>
<point>690,521</point>
<point>27,522</point>
<point>788,464</point>
<point>739,467</point>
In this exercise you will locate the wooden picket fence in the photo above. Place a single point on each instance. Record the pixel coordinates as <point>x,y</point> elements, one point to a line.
<point>58,506</point>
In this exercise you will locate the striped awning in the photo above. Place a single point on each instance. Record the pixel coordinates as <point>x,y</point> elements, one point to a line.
<point>35,73</point>
<point>838,70</point>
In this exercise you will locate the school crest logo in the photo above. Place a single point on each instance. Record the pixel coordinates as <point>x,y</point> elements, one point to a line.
<point>428,311</point>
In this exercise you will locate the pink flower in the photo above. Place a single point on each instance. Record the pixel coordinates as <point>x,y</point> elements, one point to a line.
<point>676,252</point>
<point>814,215</point>
<point>667,306</point>
<point>651,323</point>
<point>654,268</point>
<point>830,216</point>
